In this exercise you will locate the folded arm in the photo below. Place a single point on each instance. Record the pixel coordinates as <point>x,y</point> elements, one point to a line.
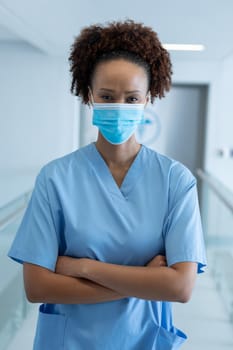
<point>64,286</point>
<point>45,286</point>
<point>87,281</point>
<point>174,283</point>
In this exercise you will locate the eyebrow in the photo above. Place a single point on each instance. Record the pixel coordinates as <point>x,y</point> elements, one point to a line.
<point>127,92</point>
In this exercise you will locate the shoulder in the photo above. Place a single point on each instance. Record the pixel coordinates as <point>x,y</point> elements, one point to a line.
<point>62,167</point>
<point>171,169</point>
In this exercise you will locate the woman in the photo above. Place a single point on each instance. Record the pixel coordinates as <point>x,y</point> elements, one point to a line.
<point>112,234</point>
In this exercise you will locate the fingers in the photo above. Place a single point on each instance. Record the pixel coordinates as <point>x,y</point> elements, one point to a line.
<point>158,261</point>
<point>162,261</point>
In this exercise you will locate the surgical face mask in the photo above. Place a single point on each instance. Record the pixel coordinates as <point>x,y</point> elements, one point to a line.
<point>117,122</point>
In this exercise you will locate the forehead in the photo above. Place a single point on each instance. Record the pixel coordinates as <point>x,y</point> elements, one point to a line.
<point>119,73</point>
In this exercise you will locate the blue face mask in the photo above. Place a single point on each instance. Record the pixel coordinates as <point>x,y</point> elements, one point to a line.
<point>117,121</point>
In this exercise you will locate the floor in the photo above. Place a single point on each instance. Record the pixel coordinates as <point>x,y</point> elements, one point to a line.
<point>203,319</point>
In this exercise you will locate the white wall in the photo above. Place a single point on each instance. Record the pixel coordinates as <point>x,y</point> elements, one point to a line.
<point>222,125</point>
<point>36,108</point>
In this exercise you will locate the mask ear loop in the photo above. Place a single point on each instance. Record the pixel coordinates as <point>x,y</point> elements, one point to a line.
<point>148,98</point>
<point>91,96</point>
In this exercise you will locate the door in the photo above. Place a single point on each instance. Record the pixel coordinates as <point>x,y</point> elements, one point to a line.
<point>176,125</point>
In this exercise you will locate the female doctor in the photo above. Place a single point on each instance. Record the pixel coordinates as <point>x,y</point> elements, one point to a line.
<point>112,233</point>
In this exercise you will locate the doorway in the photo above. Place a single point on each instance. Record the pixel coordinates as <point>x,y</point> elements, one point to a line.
<point>177,124</point>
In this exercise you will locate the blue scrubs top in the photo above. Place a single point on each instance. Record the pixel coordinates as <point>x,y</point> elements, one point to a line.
<point>77,209</point>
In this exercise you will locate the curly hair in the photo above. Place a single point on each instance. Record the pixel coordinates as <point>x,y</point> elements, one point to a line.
<point>128,40</point>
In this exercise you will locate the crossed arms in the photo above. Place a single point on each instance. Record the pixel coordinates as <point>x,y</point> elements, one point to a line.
<point>87,281</point>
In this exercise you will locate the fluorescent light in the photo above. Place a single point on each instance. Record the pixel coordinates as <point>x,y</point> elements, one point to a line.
<point>183,47</point>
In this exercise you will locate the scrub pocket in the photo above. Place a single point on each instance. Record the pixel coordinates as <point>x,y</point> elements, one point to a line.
<point>170,340</point>
<point>50,331</point>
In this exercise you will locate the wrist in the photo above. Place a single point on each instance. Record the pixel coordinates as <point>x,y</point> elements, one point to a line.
<point>78,267</point>
<point>69,266</point>
<point>84,267</point>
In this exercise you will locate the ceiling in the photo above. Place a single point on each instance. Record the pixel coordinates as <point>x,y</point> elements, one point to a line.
<point>52,25</point>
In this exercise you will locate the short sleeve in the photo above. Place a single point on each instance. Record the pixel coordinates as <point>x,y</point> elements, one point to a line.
<point>37,239</point>
<point>183,233</point>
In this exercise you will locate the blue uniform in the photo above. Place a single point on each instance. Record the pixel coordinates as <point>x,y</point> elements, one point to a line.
<point>77,209</point>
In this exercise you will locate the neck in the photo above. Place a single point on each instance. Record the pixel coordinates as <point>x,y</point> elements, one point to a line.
<point>118,155</point>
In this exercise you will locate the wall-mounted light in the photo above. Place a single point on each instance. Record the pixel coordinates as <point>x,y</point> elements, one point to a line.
<point>184,47</point>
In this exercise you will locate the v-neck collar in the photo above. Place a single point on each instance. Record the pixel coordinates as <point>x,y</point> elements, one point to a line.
<point>106,176</point>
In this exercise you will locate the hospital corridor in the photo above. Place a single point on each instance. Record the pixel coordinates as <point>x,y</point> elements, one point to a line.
<point>60,194</point>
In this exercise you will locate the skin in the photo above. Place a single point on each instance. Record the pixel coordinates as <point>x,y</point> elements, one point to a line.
<point>119,81</point>
<point>90,281</point>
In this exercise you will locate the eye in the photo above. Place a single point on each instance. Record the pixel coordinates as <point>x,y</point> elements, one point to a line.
<point>106,97</point>
<point>132,99</point>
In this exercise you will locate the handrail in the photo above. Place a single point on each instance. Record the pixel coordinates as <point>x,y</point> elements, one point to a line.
<point>8,219</point>
<point>25,194</point>
<point>220,190</point>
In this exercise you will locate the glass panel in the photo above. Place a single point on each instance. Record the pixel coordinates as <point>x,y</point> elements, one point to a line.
<point>217,217</point>
<point>13,303</point>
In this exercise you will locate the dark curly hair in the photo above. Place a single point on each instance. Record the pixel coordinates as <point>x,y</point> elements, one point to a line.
<point>128,40</point>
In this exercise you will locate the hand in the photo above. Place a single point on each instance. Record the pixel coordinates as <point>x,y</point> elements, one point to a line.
<point>158,261</point>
